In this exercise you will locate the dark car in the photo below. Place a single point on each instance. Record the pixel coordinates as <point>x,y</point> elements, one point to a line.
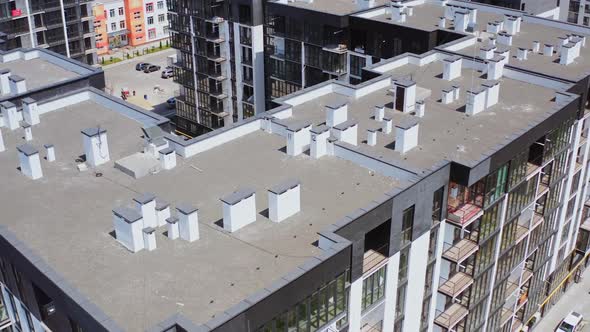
<point>171,102</point>
<point>151,68</point>
<point>141,66</point>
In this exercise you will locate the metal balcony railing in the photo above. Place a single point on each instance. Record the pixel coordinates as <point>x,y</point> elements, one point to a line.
<point>459,251</point>
<point>451,316</point>
<point>455,285</point>
<point>373,258</point>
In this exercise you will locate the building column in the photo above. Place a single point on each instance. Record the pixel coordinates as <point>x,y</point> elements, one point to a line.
<point>391,274</point>
<point>416,277</point>
<point>258,67</point>
<point>355,305</point>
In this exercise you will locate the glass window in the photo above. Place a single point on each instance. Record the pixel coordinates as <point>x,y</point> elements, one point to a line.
<point>407,225</point>
<point>121,12</point>
<point>404,258</point>
<point>112,12</point>
<point>373,288</point>
<point>437,201</point>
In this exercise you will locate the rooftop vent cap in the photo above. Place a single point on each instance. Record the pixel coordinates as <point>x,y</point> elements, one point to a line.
<point>30,111</point>
<point>239,209</point>
<point>188,222</point>
<point>149,238</point>
<point>18,85</point>
<point>319,141</point>
<point>5,82</point>
<point>173,232</point>
<point>284,200</point>
<point>495,67</point>
<point>167,158</point>
<point>492,90</point>
<point>522,53</point>
<point>28,132</point>
<point>406,135</point>
<point>128,228</point>
<point>461,19</point>
<point>346,132</point>
<point>96,147</point>
<point>146,206</point>
<point>379,112</point>
<point>452,67</point>
<point>50,150</point>
<point>336,113</point>
<point>30,162</point>
<point>298,137</point>
<point>162,211</point>
<point>548,50</point>
<point>10,115</point>
<point>536,46</point>
<point>387,125</point>
<point>476,101</point>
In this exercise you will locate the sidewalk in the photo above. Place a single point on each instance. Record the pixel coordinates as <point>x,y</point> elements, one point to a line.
<point>576,298</point>
<point>122,52</point>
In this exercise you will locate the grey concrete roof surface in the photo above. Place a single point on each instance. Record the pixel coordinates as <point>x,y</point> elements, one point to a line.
<point>445,132</point>
<point>335,7</point>
<point>66,217</point>
<point>38,72</point>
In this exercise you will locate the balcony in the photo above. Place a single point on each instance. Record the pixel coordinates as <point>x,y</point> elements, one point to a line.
<point>449,318</point>
<point>465,203</point>
<point>511,287</point>
<point>505,316</point>
<point>216,58</point>
<point>537,220</point>
<point>4,319</point>
<point>339,49</point>
<point>516,325</point>
<point>526,275</point>
<point>521,233</point>
<point>374,259</point>
<point>458,252</point>
<point>454,286</point>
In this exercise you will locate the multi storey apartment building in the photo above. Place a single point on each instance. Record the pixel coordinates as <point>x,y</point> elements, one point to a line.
<point>130,22</point>
<point>65,27</point>
<point>443,192</point>
<point>543,8</point>
<point>575,11</point>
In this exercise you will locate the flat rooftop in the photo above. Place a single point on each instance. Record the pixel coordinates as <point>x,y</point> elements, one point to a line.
<point>41,68</point>
<point>426,17</point>
<point>334,7</point>
<point>66,217</point>
<point>445,131</point>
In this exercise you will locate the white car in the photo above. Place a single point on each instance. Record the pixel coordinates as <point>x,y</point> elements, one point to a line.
<point>571,323</point>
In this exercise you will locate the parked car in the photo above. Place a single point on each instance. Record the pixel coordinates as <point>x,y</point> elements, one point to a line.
<point>151,68</point>
<point>141,66</point>
<point>168,72</point>
<point>171,102</point>
<point>571,323</point>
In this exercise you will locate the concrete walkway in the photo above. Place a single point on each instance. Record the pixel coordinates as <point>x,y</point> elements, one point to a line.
<point>576,298</point>
<point>121,53</point>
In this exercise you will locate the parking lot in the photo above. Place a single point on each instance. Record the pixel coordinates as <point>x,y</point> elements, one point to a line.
<point>123,75</point>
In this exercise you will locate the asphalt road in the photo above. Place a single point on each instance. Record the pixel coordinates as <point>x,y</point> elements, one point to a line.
<point>123,75</point>
<point>576,298</point>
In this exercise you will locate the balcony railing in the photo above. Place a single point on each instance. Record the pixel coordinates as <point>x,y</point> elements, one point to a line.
<point>526,275</point>
<point>521,233</point>
<point>451,316</point>
<point>454,286</point>
<point>459,251</point>
<point>505,316</point>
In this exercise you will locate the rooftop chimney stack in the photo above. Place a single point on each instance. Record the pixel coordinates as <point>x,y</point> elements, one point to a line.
<point>239,209</point>
<point>284,200</point>
<point>448,95</point>
<point>346,132</point>
<point>495,68</point>
<point>379,112</point>
<point>365,4</point>
<point>397,12</point>
<point>128,228</point>
<point>336,113</point>
<point>30,162</point>
<point>30,111</point>
<point>505,39</point>
<point>149,238</point>
<point>406,135</point>
<point>167,158</point>
<point>456,91</point>
<point>371,137</point>
<point>472,16</point>
<point>548,50</point>
<point>146,206</point>
<point>492,90</point>
<point>420,108</point>
<point>188,222</point>
<point>522,53</point>
<point>10,115</point>
<point>298,137</point>
<point>442,22</point>
<point>567,54</point>
<point>162,212</point>
<point>173,232</point>
<point>476,101</point>
<point>4,81</point>
<point>561,42</point>
<point>492,41</point>
<point>28,132</point>
<point>536,46</point>
<point>510,25</point>
<point>50,152</point>
<point>18,84</point>
<point>387,125</point>
<point>96,146</point>
<point>405,95</point>
<point>319,141</point>
<point>493,27</point>
<point>461,18</point>
<point>487,52</point>
<point>2,147</point>
<point>452,67</point>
